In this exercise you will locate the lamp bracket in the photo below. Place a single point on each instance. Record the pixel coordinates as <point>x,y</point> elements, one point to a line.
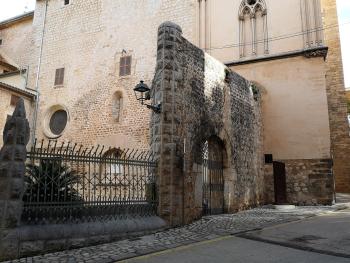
<point>156,108</point>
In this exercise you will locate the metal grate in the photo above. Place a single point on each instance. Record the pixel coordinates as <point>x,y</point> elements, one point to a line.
<point>67,183</point>
<point>213,177</point>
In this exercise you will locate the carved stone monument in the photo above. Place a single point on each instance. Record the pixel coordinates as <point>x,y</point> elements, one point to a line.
<point>12,171</point>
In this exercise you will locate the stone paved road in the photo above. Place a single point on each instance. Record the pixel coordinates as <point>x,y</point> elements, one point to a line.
<point>207,228</point>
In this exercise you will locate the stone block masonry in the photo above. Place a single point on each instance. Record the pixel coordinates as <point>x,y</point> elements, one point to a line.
<point>340,139</point>
<point>202,100</point>
<point>309,182</point>
<point>88,38</point>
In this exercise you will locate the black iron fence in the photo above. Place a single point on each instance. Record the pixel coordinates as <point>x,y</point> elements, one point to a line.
<point>65,182</point>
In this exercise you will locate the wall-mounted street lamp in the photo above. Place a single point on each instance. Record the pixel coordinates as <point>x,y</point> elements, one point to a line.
<point>142,93</point>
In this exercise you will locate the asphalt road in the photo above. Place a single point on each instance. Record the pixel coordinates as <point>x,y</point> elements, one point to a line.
<point>318,239</point>
<point>329,234</point>
<point>237,250</point>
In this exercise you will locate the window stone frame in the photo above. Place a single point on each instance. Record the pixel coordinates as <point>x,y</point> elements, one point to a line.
<point>47,117</point>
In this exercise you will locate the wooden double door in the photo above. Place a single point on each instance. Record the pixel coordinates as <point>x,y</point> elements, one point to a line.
<point>280,185</point>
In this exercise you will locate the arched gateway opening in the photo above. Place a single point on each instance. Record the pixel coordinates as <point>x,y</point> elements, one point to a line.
<point>213,176</point>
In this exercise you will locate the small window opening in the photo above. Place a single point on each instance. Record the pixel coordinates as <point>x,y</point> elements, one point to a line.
<point>125,66</point>
<point>268,158</point>
<point>0,42</point>
<point>59,77</point>
<point>66,2</point>
<point>251,2</point>
<point>118,106</point>
<point>58,122</point>
<point>14,100</point>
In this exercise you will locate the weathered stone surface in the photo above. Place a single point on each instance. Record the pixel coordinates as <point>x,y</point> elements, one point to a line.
<point>36,239</point>
<point>309,182</point>
<point>31,247</point>
<point>12,169</point>
<point>202,100</point>
<point>340,139</point>
<point>9,244</point>
<point>12,158</point>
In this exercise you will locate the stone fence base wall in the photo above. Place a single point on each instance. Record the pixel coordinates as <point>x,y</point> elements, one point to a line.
<point>38,239</point>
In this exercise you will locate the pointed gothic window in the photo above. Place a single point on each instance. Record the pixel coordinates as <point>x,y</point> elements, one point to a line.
<point>253,36</point>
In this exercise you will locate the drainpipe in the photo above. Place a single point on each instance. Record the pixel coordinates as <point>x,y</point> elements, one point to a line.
<point>26,77</point>
<point>35,115</point>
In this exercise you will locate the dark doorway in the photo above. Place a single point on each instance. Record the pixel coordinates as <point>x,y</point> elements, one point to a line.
<point>213,177</point>
<point>279,174</point>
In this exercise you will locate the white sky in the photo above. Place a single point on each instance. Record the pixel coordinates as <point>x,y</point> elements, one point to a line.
<point>344,25</point>
<point>10,8</point>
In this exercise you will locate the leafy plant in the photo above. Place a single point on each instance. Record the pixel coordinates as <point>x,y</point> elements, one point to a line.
<point>51,181</point>
<point>256,92</point>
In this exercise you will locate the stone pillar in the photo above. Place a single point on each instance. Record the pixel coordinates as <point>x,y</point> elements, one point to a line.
<point>12,171</point>
<point>340,139</point>
<point>165,138</point>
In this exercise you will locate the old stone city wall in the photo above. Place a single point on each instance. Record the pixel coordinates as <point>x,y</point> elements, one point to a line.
<point>202,99</point>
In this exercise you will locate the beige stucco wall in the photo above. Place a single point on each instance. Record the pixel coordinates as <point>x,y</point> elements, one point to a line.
<point>87,38</point>
<point>18,80</point>
<point>17,42</point>
<point>295,112</point>
<point>284,24</point>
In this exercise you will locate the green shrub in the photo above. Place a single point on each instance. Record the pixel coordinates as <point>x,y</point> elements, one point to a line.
<point>51,181</point>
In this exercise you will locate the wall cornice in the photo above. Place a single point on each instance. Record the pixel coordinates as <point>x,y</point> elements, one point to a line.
<point>308,53</point>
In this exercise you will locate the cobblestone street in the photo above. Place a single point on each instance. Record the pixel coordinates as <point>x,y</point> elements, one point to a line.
<point>207,228</point>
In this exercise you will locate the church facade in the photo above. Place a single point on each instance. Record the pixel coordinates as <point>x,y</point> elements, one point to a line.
<point>80,61</point>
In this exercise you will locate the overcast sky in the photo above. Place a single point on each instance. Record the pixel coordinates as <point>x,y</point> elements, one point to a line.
<point>10,8</point>
<point>344,24</point>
